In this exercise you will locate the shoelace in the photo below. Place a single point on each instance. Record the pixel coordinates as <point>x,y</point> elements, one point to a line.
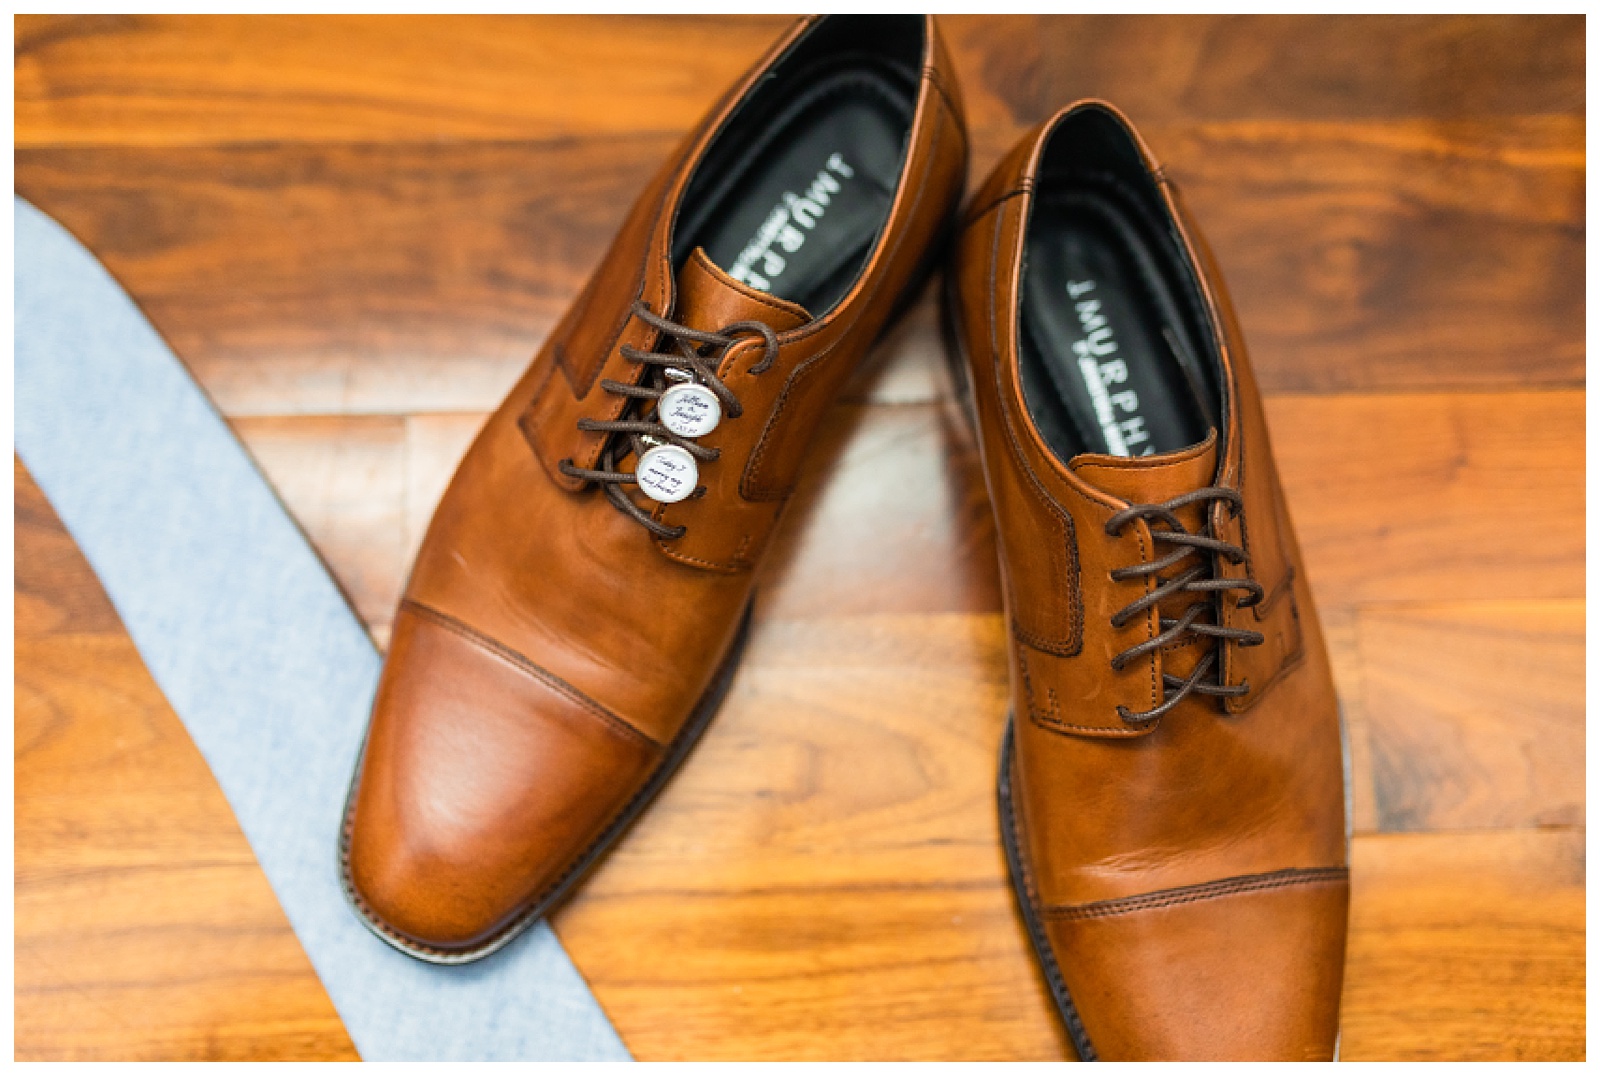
<point>1183,543</point>
<point>699,354</point>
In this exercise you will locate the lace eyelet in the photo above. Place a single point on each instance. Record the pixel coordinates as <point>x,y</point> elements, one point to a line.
<point>1126,716</point>
<point>700,350</point>
<point>1215,593</point>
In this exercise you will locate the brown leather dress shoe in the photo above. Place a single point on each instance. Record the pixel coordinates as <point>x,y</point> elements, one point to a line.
<point>1171,784</point>
<point>578,605</point>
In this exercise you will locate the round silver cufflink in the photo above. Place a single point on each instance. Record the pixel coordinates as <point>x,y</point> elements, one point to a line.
<point>689,410</point>
<point>667,473</point>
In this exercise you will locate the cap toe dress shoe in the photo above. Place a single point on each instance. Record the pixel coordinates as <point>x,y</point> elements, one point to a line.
<point>577,608</point>
<point>1172,783</point>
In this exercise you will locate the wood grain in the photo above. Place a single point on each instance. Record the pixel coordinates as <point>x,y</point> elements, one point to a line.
<point>1273,66</point>
<point>1387,493</point>
<point>1476,714</point>
<point>187,80</point>
<point>144,927</point>
<point>1468,946</point>
<point>1435,497</point>
<point>1395,255</point>
<point>408,279</point>
<point>349,279</point>
<point>345,479</point>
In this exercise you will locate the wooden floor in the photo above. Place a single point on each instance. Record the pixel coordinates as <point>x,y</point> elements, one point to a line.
<point>356,231</point>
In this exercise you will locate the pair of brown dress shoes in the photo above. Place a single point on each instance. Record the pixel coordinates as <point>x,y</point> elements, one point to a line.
<point>1171,782</point>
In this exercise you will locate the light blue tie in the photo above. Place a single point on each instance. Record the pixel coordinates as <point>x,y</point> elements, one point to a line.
<point>255,649</point>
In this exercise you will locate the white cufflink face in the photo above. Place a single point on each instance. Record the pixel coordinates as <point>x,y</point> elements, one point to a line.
<point>667,473</point>
<point>689,410</point>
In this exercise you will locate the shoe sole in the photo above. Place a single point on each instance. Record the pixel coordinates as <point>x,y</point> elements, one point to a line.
<point>1030,910</point>
<point>677,752</point>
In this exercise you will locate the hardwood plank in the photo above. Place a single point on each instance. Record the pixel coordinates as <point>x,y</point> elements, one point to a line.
<point>1418,255</point>
<point>891,515</point>
<point>1339,627</point>
<point>120,80</point>
<point>1437,497</point>
<point>54,591</point>
<point>1272,66</point>
<point>1475,714</point>
<point>1467,946</point>
<point>144,926</point>
<point>907,365</point>
<point>405,279</point>
<point>435,445</point>
<point>345,479</point>
<point>822,880</point>
<point>189,80</point>
<point>349,279</point>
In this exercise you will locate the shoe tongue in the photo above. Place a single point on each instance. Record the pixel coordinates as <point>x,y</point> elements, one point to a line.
<point>1153,479</point>
<point>708,299</point>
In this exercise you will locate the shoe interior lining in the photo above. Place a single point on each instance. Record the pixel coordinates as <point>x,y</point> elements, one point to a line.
<point>1115,346</point>
<point>795,191</point>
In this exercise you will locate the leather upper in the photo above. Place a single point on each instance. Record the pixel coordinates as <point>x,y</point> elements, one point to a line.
<point>1217,789</point>
<point>549,650</point>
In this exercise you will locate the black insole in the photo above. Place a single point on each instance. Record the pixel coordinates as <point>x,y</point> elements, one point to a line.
<point>800,213</point>
<point>1108,360</point>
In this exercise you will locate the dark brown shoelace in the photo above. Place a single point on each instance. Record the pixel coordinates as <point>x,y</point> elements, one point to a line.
<point>1183,544</point>
<point>699,353</point>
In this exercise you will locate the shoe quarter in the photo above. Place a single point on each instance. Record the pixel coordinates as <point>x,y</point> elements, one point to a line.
<point>1056,557</point>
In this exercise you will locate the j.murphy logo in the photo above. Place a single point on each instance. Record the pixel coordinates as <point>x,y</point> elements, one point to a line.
<point>1121,425</point>
<point>785,229</point>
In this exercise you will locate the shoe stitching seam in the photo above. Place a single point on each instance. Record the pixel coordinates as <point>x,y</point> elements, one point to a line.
<point>1072,645</point>
<point>522,920</point>
<point>973,216</point>
<point>771,303</point>
<point>936,80</point>
<point>1188,894</point>
<point>522,663</point>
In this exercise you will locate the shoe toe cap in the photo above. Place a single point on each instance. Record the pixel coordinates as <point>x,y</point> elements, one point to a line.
<point>483,782</point>
<point>1247,969</point>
